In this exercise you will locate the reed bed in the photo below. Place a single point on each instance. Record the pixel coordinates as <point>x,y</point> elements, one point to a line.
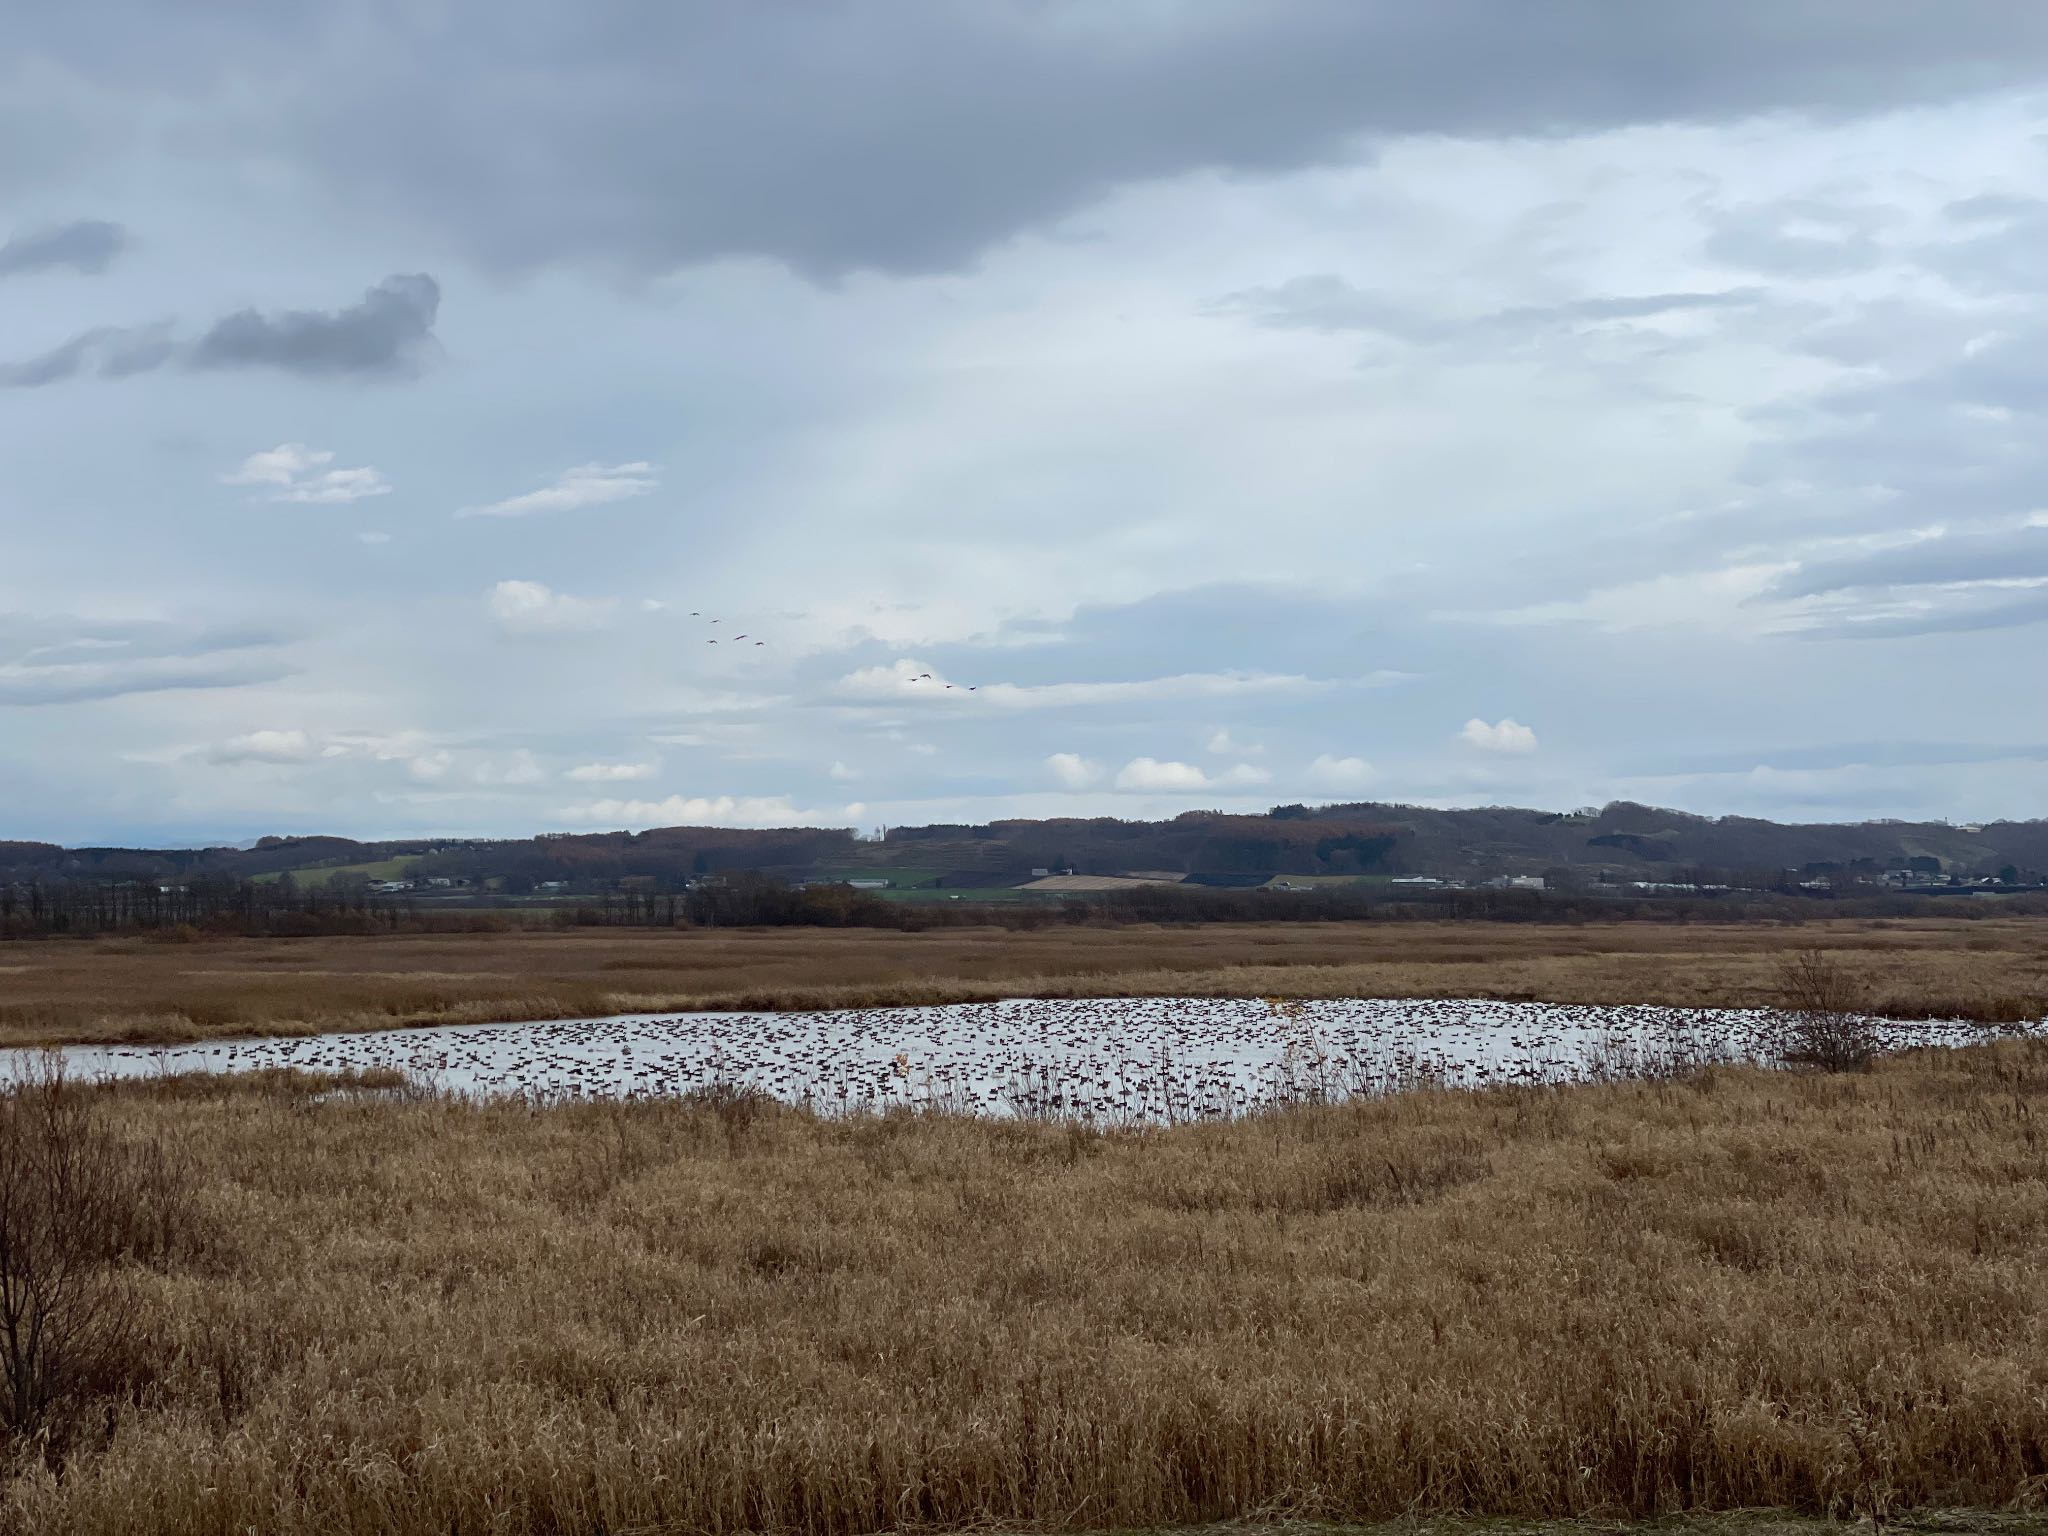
<point>1994,969</point>
<point>1725,1290</point>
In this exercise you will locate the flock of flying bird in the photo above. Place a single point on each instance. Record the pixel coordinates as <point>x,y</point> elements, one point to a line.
<point>1105,1061</point>
<point>921,677</point>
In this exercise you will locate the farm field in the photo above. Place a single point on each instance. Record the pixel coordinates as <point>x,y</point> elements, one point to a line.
<point>381,869</point>
<point>135,990</point>
<point>358,1307</point>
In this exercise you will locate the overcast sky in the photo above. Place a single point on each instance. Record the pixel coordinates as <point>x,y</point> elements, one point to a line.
<point>1237,403</point>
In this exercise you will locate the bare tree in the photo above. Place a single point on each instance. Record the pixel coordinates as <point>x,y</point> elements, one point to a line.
<point>1825,1026</point>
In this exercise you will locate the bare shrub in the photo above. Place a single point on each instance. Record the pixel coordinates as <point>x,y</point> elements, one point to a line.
<point>79,1206</point>
<point>1824,1027</point>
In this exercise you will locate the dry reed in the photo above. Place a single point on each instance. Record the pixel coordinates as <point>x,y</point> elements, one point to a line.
<point>1746,1289</point>
<point>128,990</point>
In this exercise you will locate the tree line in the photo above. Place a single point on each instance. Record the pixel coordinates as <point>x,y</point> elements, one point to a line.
<point>84,908</point>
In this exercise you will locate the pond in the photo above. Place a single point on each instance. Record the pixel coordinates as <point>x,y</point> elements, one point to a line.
<point>1103,1060</point>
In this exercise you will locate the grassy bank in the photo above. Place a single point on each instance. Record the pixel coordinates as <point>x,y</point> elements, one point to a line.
<point>131,989</point>
<point>1749,1290</point>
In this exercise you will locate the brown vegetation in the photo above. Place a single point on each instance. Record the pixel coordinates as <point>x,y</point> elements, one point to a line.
<point>125,989</point>
<point>1812,1292</point>
<point>1825,1026</point>
<point>79,1206</point>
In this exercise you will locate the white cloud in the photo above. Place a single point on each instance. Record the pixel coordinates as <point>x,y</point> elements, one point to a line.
<point>610,773</point>
<point>1223,744</point>
<point>430,767</point>
<point>531,608</point>
<point>521,768</point>
<point>697,810</point>
<point>587,485</point>
<point>372,536</point>
<point>1072,770</point>
<point>418,754</point>
<point>1144,774</point>
<point>1339,773</point>
<point>266,747</point>
<point>841,772</point>
<point>1507,736</point>
<point>294,472</point>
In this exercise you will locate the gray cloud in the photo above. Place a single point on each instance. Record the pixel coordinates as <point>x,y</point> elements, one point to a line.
<point>67,661</point>
<point>1797,238</point>
<point>1323,301</point>
<point>387,334</point>
<point>1972,610</point>
<point>838,139</point>
<point>109,352</point>
<point>2001,251</point>
<point>1641,306</point>
<point>84,245</point>
<point>1945,423</point>
<point>2008,555</point>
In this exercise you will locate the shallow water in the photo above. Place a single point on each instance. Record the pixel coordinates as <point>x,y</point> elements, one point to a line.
<point>1104,1059</point>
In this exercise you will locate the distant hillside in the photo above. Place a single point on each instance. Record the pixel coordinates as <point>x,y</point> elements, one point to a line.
<point>1622,842</point>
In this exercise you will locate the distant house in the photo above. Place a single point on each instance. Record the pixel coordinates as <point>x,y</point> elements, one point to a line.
<point>869,885</point>
<point>1515,883</point>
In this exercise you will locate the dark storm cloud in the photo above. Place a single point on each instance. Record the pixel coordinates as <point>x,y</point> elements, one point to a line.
<point>84,245</point>
<point>913,137</point>
<point>387,334</point>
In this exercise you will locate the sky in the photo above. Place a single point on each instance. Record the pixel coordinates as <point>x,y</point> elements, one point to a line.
<point>1236,403</point>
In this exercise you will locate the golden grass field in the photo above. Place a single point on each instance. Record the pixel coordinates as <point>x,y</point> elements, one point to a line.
<point>133,989</point>
<point>397,1313</point>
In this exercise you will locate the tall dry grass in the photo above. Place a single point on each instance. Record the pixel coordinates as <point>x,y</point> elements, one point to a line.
<point>1746,1289</point>
<point>61,991</point>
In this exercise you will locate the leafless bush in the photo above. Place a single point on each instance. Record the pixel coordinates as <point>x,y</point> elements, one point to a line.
<point>79,1206</point>
<point>1824,1027</point>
